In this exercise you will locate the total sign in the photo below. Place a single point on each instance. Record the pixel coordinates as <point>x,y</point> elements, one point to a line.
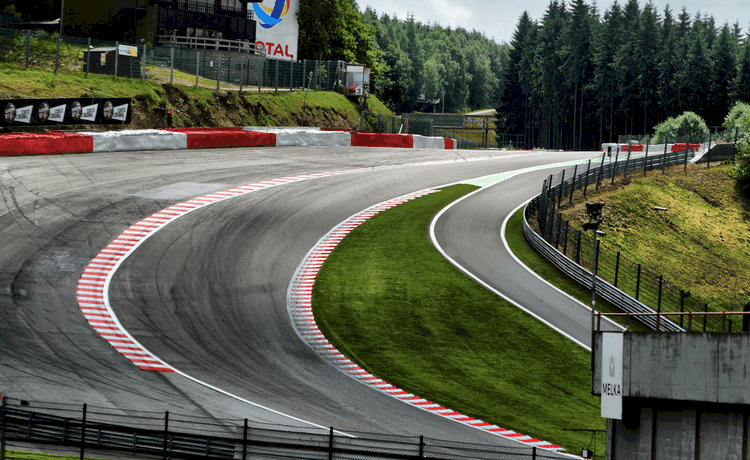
<point>278,30</point>
<point>612,375</point>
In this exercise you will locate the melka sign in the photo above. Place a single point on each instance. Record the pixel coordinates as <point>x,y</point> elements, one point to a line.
<point>612,375</point>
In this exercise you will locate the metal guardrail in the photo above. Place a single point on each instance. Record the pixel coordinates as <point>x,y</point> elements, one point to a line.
<point>49,427</point>
<point>553,230</point>
<point>210,44</point>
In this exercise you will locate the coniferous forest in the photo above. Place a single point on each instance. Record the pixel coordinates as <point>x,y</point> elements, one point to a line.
<point>576,78</point>
<point>572,79</point>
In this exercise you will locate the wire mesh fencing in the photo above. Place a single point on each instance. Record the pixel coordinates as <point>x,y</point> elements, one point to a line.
<point>631,286</point>
<point>83,431</point>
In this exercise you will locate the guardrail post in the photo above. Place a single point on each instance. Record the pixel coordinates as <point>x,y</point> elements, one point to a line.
<point>3,409</point>
<point>244,442</point>
<point>664,158</point>
<point>645,161</point>
<point>330,444</point>
<point>687,150</point>
<point>83,430</point>
<point>166,434</point>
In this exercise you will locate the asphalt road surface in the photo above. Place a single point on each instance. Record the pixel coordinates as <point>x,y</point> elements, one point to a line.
<point>207,293</point>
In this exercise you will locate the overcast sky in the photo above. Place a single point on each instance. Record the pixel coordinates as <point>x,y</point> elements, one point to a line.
<point>498,18</point>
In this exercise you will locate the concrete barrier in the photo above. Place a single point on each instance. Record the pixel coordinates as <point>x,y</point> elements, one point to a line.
<point>422,142</point>
<point>206,138</point>
<point>309,138</point>
<point>150,139</point>
<point>404,141</point>
<point>44,143</point>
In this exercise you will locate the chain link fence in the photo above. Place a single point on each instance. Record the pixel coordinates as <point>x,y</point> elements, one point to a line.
<point>636,287</point>
<point>83,431</point>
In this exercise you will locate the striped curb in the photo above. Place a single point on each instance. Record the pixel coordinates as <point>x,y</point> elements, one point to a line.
<point>93,285</point>
<point>299,302</point>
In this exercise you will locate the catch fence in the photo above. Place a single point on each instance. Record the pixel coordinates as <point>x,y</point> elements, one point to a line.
<point>95,432</point>
<point>625,284</point>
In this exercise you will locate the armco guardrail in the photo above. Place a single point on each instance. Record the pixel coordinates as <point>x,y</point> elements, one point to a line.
<point>113,433</point>
<point>555,232</point>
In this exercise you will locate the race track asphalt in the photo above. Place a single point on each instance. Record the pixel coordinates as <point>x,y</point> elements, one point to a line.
<point>207,293</point>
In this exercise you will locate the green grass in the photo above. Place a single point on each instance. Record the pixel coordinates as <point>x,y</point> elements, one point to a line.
<point>22,455</point>
<point>699,244</point>
<point>390,302</point>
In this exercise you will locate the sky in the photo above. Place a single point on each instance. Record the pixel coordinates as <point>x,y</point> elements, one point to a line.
<point>497,19</point>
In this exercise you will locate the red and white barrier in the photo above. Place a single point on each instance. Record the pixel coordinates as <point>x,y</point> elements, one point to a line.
<point>204,138</point>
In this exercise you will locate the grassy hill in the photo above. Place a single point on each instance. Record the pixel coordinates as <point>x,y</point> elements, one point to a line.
<point>192,106</point>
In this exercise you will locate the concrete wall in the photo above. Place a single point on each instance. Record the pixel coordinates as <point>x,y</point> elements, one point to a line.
<point>685,396</point>
<point>683,366</point>
<point>660,429</point>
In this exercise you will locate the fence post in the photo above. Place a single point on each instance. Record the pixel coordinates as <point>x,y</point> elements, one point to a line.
<point>687,150</point>
<point>613,170</point>
<point>562,186</point>
<point>117,56</point>
<point>197,67</point>
<point>276,77</point>
<point>638,282</point>
<point>586,184</point>
<point>565,238</point>
<point>601,172</point>
<point>242,72</point>
<point>627,160</point>
<point>645,161</point>
<point>218,71</point>
<point>57,55</point>
<point>658,308</point>
<point>533,453</point>
<point>578,247</point>
<point>421,446</point>
<point>330,444</point>
<point>617,267</point>
<point>291,75</point>
<point>3,409</point>
<point>88,56</point>
<point>705,317</point>
<point>166,434</point>
<point>171,66</point>
<point>143,63</point>
<point>244,442</point>
<point>83,430</point>
<point>573,184</point>
<point>28,46</point>
<point>710,138</point>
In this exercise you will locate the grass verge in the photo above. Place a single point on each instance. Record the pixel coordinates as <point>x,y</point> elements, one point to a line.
<point>388,300</point>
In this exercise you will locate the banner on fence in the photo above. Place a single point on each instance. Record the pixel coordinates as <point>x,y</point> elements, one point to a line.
<point>65,111</point>
<point>277,31</point>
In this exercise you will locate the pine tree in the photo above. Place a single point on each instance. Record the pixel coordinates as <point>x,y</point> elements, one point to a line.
<point>741,83</point>
<point>724,68</point>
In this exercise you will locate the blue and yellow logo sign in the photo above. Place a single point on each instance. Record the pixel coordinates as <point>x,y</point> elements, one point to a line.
<point>269,17</point>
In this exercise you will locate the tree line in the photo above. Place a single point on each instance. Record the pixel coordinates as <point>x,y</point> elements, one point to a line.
<point>408,59</point>
<point>574,79</point>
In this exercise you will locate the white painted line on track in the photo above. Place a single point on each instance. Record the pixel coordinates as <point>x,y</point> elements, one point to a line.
<point>300,312</point>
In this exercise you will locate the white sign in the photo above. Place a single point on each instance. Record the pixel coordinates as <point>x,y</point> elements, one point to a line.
<point>277,29</point>
<point>89,112</point>
<point>23,114</point>
<point>120,113</point>
<point>612,375</point>
<point>125,50</point>
<point>57,113</point>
